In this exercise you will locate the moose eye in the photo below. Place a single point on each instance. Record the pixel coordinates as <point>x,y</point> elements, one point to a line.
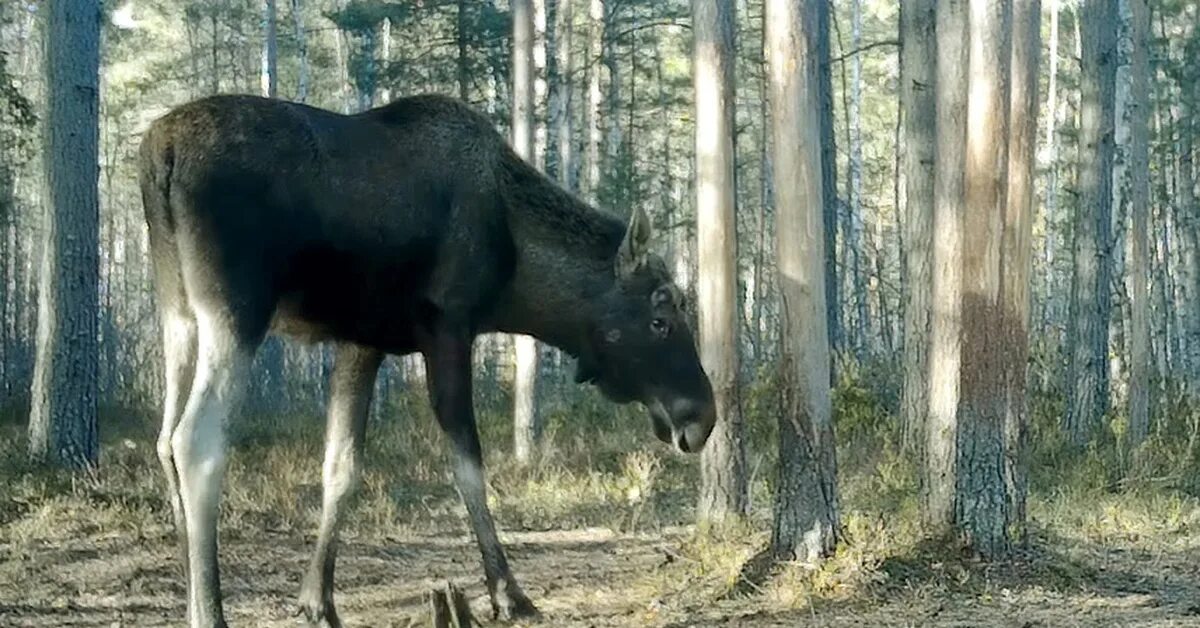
<point>660,327</point>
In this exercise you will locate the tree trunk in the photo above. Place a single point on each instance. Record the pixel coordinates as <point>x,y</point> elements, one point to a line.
<point>301,50</point>
<point>989,326</point>
<point>1188,223</point>
<point>62,421</point>
<point>524,347</point>
<point>563,86</point>
<point>1049,163</point>
<point>918,60</point>
<point>723,463</point>
<point>854,169</point>
<point>833,292</point>
<point>540,86</point>
<point>945,329</point>
<point>1139,209</point>
<point>591,182</point>
<point>269,77</point>
<point>1087,382</point>
<point>460,36</point>
<point>1017,250</point>
<point>806,505</point>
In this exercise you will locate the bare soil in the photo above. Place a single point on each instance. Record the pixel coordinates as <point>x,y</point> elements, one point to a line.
<point>586,577</point>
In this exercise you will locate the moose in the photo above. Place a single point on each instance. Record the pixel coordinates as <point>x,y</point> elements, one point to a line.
<point>411,227</point>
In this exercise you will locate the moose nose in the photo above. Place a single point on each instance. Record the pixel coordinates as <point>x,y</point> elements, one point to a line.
<point>691,424</point>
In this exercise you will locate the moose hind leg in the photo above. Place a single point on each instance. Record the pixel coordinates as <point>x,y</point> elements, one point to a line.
<point>353,382</point>
<point>448,358</point>
<point>199,447</point>
<point>179,352</point>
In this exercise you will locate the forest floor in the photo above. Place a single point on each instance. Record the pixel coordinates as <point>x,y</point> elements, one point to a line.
<point>597,532</point>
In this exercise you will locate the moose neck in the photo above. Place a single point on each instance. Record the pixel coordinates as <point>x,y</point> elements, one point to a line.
<point>565,252</point>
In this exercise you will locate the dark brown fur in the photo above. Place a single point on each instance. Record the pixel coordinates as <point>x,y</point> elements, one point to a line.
<point>412,227</point>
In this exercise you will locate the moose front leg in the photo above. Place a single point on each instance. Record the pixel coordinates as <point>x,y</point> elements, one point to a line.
<point>448,358</point>
<point>353,381</point>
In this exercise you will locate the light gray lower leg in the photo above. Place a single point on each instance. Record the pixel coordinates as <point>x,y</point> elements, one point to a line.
<point>199,448</point>
<point>179,353</point>
<point>353,381</point>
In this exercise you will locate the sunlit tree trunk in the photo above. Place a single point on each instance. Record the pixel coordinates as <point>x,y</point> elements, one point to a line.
<point>1049,163</point>
<point>806,503</point>
<point>591,180</point>
<point>524,347</point>
<point>1017,249</point>
<point>269,78</point>
<point>723,463</point>
<point>561,118</point>
<point>945,326</point>
<point>1087,380</point>
<point>989,326</point>
<point>1139,209</point>
<point>918,62</point>
<point>62,420</point>
<point>298,32</point>
<point>1187,216</point>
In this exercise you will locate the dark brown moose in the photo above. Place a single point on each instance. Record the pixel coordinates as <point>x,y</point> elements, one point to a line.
<point>410,227</point>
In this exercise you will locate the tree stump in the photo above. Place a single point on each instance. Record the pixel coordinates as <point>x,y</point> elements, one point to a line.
<point>448,608</point>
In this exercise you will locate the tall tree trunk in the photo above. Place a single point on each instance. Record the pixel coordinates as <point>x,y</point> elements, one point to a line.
<point>591,182</point>
<point>918,60</point>
<point>1087,382</point>
<point>1139,209</point>
<point>982,509</point>
<point>723,493</point>
<point>385,59</point>
<point>62,420</point>
<point>1188,223</point>
<point>301,50</point>
<point>564,129</point>
<point>938,478</point>
<point>806,504</point>
<point>1049,163</point>
<point>524,347</point>
<point>833,277</point>
<point>613,136</point>
<point>269,77</point>
<point>540,86</point>
<point>460,36</point>
<point>1017,250</point>
<point>854,169</point>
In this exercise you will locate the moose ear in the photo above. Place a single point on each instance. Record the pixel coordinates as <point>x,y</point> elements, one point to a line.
<point>635,248</point>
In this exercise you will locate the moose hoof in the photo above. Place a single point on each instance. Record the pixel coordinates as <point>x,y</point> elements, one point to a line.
<point>513,605</point>
<point>318,614</point>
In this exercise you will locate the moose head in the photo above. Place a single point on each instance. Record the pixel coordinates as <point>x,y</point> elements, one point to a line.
<point>641,348</point>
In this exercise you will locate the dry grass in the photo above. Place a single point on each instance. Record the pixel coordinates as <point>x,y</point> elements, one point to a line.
<point>598,531</point>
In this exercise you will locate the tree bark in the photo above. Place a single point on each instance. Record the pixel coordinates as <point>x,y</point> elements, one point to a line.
<point>833,277</point>
<point>982,510</point>
<point>1139,209</point>
<point>1050,313</point>
<point>1017,249</point>
<point>1087,381</point>
<point>918,60</point>
<point>591,182</point>
<point>806,505</point>
<point>723,493</point>
<point>62,421</point>
<point>564,129</point>
<point>269,77</point>
<point>301,50</point>
<point>525,429</point>
<point>945,330</point>
<point>460,36</point>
